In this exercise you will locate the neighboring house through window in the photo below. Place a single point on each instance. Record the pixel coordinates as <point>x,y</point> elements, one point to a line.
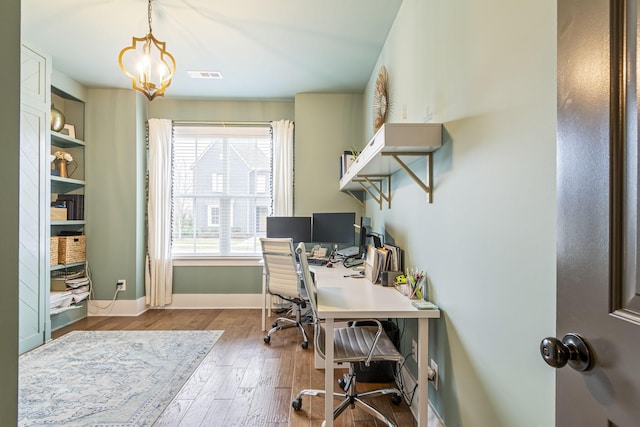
<point>221,189</point>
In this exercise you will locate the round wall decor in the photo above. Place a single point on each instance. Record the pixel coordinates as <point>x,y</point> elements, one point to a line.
<point>380,100</point>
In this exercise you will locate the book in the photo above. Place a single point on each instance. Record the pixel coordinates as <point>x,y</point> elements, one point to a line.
<point>424,305</point>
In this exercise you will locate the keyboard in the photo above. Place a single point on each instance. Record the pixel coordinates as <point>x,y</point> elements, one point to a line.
<point>317,261</point>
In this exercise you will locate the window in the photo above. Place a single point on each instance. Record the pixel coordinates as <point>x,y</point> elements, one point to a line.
<point>213,218</point>
<point>221,189</point>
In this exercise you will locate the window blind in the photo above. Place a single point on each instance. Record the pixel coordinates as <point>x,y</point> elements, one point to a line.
<point>222,189</point>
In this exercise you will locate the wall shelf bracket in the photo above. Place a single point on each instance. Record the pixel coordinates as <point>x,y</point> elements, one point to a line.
<point>373,184</point>
<point>426,186</point>
<point>356,198</point>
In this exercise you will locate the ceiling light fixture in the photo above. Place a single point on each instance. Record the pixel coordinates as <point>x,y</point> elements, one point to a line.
<point>154,66</point>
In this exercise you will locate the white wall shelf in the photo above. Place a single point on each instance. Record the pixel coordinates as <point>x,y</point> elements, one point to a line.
<point>375,164</point>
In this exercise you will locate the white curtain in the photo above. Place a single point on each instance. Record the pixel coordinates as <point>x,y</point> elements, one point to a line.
<point>159,266</point>
<point>282,167</point>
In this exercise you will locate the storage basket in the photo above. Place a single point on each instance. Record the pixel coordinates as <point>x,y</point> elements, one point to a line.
<point>53,250</point>
<point>71,249</point>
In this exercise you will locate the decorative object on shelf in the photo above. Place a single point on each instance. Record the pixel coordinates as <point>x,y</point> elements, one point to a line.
<point>69,130</point>
<point>381,102</point>
<point>62,159</point>
<point>152,67</point>
<point>57,119</point>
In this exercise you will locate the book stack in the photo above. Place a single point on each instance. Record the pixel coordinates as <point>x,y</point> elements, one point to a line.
<point>378,260</point>
<point>346,160</point>
<point>74,204</point>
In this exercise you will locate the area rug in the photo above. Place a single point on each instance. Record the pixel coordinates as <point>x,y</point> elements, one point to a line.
<point>107,378</point>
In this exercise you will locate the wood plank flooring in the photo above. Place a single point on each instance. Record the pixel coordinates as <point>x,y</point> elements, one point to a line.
<point>242,381</point>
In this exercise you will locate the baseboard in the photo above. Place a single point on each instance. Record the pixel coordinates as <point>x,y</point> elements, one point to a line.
<point>409,383</point>
<point>179,301</point>
<point>125,307</point>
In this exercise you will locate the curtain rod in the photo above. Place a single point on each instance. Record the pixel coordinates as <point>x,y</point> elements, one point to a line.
<point>231,123</point>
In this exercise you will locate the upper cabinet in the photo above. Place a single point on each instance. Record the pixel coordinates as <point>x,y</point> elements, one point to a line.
<point>372,169</point>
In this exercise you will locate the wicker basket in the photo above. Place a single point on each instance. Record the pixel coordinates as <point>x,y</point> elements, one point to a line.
<point>71,249</point>
<point>53,250</point>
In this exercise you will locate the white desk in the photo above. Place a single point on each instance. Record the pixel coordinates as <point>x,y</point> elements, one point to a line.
<point>342,297</point>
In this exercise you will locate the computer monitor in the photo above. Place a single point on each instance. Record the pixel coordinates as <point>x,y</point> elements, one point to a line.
<point>296,227</point>
<point>365,229</point>
<point>334,228</point>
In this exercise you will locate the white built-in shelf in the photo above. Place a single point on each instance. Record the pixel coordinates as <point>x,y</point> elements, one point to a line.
<point>65,266</point>
<point>69,222</point>
<point>383,156</point>
<point>65,141</point>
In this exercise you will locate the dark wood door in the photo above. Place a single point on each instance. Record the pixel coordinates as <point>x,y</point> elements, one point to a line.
<point>598,258</point>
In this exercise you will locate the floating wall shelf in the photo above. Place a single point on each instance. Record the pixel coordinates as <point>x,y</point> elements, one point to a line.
<point>382,157</point>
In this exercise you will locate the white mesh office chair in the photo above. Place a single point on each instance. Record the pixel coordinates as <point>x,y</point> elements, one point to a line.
<point>283,280</point>
<point>354,344</point>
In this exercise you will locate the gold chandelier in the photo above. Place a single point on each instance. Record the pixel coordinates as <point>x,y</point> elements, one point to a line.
<point>154,66</point>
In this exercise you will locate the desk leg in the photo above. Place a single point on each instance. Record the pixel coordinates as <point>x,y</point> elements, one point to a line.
<point>264,302</point>
<point>423,380</point>
<point>328,374</point>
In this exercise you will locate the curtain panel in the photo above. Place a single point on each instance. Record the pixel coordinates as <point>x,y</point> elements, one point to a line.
<point>159,266</point>
<point>282,167</point>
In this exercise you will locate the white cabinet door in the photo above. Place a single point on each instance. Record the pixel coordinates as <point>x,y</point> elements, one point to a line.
<point>33,250</point>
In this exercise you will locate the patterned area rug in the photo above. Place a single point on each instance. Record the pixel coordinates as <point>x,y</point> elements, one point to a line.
<point>107,378</point>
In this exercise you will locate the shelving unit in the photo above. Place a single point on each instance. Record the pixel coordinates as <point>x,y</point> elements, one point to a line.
<point>382,157</point>
<point>73,184</point>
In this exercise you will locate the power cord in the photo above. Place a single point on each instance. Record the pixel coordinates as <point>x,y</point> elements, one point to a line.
<point>92,297</point>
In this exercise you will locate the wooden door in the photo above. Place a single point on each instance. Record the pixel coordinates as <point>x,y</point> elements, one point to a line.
<point>598,258</point>
<point>33,249</point>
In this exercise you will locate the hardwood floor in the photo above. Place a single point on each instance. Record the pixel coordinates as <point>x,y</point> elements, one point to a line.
<point>242,381</point>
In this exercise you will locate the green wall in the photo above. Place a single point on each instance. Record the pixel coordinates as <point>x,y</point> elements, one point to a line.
<point>326,126</point>
<point>9,176</point>
<point>115,191</point>
<point>218,280</point>
<point>487,70</point>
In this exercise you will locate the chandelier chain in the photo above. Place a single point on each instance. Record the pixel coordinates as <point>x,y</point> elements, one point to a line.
<point>149,14</point>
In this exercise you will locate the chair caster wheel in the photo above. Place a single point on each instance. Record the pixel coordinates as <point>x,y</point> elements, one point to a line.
<point>296,404</point>
<point>267,339</point>
<point>305,345</point>
<point>342,384</point>
<point>274,325</point>
<point>396,399</point>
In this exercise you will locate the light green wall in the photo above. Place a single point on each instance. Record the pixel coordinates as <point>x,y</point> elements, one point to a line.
<point>9,176</point>
<point>326,126</point>
<point>115,188</point>
<point>185,109</point>
<point>487,70</point>
<point>218,280</point>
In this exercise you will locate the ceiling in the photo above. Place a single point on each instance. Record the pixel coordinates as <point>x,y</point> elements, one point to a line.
<point>265,49</point>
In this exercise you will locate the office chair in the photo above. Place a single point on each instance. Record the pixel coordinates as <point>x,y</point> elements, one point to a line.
<point>283,280</point>
<point>354,344</point>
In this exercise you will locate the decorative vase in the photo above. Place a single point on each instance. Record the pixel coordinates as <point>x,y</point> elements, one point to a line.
<point>62,168</point>
<point>57,119</point>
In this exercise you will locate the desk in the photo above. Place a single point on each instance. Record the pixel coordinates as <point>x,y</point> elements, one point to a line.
<point>342,297</point>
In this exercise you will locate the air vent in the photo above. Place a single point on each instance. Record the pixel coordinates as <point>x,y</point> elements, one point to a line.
<point>205,74</point>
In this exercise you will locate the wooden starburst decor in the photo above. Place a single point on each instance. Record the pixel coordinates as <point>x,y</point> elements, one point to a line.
<point>380,100</point>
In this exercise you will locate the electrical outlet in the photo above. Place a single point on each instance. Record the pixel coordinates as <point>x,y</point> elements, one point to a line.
<point>121,285</point>
<point>414,350</point>
<point>434,367</point>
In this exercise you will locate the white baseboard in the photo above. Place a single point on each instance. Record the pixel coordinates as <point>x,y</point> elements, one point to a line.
<point>179,301</point>
<point>409,383</point>
<point>125,307</point>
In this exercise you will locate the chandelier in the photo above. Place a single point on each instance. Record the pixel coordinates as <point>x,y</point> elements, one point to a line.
<point>152,67</point>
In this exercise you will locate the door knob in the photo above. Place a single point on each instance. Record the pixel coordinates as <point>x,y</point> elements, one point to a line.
<point>573,349</point>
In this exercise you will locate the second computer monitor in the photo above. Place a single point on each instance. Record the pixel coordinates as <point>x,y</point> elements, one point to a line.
<point>334,227</point>
<point>296,227</point>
